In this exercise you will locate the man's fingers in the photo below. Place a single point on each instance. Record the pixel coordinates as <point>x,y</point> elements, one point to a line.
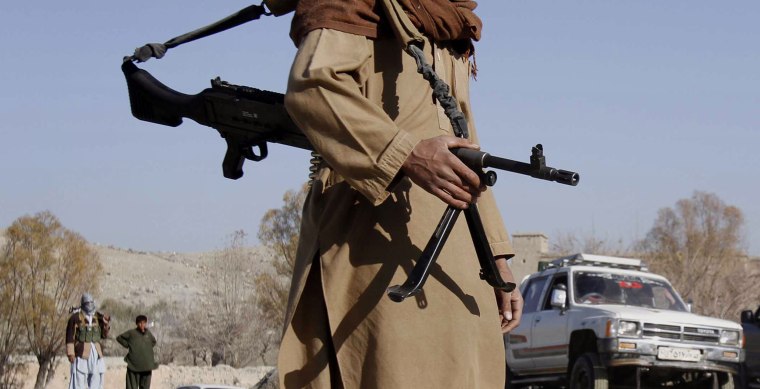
<point>510,309</point>
<point>457,192</point>
<point>454,141</point>
<point>464,178</point>
<point>516,312</point>
<point>511,325</point>
<point>464,173</point>
<point>506,308</point>
<point>448,199</point>
<point>468,176</point>
<point>435,169</point>
<point>516,307</point>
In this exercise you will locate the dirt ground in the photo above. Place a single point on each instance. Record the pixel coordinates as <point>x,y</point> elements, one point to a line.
<point>165,377</point>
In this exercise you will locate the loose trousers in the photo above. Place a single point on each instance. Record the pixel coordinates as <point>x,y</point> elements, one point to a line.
<point>88,373</point>
<point>138,379</point>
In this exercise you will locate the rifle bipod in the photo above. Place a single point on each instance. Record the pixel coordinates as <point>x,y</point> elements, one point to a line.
<point>477,160</point>
<point>421,270</point>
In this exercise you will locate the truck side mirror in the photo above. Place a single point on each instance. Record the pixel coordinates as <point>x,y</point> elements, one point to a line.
<point>748,316</point>
<point>559,298</point>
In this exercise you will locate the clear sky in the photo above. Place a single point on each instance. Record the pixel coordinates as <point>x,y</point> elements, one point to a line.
<point>648,100</point>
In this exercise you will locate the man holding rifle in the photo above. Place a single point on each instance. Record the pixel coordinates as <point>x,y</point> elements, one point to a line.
<point>384,179</point>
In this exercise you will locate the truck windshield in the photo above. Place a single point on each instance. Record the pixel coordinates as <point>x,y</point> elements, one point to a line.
<point>622,289</point>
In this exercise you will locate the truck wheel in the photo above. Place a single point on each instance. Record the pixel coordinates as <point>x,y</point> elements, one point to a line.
<point>588,373</point>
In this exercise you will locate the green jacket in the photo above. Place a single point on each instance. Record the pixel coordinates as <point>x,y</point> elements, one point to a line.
<point>140,356</point>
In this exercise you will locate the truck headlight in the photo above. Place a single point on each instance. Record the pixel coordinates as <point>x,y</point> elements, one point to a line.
<point>628,328</point>
<point>729,337</point>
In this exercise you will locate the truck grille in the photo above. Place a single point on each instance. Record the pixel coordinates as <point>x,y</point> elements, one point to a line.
<point>689,334</point>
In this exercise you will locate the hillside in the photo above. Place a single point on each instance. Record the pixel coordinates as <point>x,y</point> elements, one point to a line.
<point>145,278</point>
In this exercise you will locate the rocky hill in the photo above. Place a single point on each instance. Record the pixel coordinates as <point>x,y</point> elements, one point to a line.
<point>145,278</point>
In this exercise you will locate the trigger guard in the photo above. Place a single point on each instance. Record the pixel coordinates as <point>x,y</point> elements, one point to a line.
<point>250,154</point>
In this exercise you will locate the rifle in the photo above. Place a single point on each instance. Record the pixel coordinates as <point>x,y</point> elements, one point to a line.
<point>248,118</point>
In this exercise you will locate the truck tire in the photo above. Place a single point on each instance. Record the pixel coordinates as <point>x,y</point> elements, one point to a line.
<point>588,373</point>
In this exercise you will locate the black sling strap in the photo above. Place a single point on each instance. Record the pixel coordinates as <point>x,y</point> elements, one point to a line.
<point>157,50</point>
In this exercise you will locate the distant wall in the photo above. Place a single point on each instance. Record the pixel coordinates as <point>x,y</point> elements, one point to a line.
<point>530,249</point>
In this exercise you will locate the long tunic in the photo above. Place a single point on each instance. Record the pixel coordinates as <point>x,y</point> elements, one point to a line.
<point>364,108</point>
<point>140,357</point>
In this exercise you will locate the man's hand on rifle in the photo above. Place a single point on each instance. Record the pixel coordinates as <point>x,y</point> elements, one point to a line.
<point>510,304</point>
<point>434,168</point>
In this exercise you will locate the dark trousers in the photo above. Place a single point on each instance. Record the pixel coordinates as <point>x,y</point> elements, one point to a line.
<point>138,379</point>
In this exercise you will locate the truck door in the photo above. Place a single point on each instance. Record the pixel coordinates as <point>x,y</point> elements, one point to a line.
<point>550,341</point>
<point>519,358</point>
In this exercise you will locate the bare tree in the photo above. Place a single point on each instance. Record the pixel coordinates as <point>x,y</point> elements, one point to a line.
<point>224,325</point>
<point>279,231</point>
<point>233,279</point>
<point>571,243</point>
<point>10,325</point>
<point>165,323</point>
<point>53,267</point>
<point>698,245</point>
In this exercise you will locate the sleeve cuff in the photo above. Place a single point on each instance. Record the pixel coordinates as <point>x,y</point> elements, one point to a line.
<point>378,188</point>
<point>502,249</point>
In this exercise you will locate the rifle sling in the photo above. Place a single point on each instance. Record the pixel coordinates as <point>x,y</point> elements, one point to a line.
<point>157,50</point>
<point>413,41</point>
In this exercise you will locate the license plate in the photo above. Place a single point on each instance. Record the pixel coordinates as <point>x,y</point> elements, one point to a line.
<point>679,354</point>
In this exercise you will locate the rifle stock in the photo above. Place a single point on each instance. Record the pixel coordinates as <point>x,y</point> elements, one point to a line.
<point>246,117</point>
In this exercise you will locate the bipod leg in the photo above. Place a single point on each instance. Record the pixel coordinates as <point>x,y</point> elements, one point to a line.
<point>488,270</point>
<point>421,269</point>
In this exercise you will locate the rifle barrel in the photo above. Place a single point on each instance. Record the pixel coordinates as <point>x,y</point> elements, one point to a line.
<point>542,172</point>
<point>479,159</point>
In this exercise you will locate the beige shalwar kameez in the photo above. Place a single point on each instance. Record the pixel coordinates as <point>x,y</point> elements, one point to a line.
<point>364,107</point>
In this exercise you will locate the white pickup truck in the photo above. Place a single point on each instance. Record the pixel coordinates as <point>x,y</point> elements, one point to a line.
<point>594,321</point>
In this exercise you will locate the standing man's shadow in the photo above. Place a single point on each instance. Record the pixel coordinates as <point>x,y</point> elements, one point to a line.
<point>393,216</point>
